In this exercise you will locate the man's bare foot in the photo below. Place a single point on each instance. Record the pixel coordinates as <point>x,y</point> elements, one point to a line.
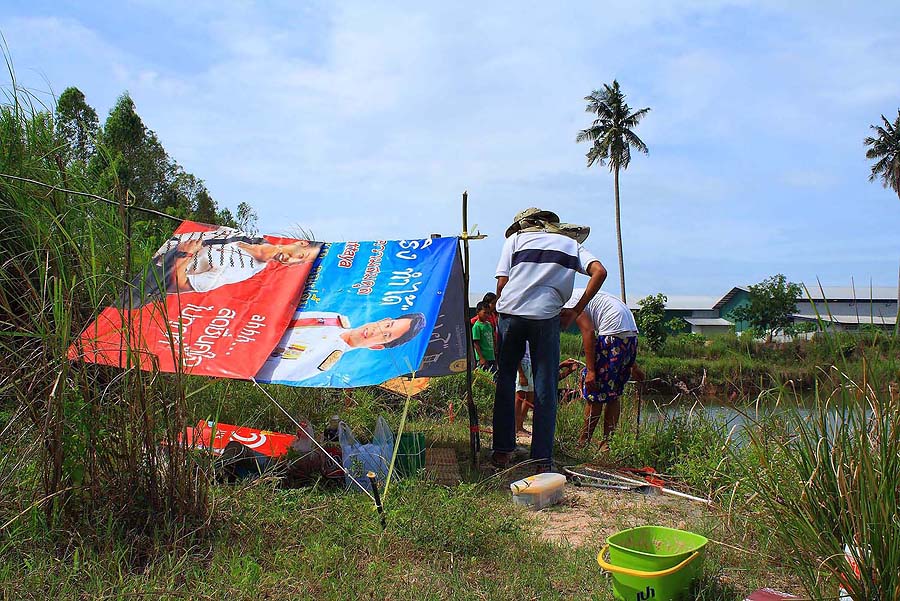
<point>523,432</point>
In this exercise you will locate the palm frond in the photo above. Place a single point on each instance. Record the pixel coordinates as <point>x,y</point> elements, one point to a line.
<point>636,142</point>
<point>611,132</point>
<point>885,147</point>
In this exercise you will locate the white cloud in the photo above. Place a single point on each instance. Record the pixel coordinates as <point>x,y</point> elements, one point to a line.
<point>361,120</point>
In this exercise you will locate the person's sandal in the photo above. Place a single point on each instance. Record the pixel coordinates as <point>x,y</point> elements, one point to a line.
<point>501,460</point>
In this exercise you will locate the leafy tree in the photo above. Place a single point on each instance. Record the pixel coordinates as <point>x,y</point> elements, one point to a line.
<point>77,126</point>
<point>135,159</point>
<point>885,149</point>
<point>205,207</point>
<point>651,320</point>
<point>246,218</point>
<point>187,196</point>
<point>612,138</point>
<point>678,325</point>
<point>807,327</point>
<point>138,160</point>
<point>772,304</point>
<point>226,218</point>
<point>145,167</point>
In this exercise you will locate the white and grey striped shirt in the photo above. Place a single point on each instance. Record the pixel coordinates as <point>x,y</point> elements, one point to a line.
<point>541,269</point>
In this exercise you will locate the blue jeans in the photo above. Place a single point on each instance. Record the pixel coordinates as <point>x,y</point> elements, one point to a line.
<point>542,336</point>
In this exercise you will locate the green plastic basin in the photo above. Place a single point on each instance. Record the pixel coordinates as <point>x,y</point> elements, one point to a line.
<point>653,562</point>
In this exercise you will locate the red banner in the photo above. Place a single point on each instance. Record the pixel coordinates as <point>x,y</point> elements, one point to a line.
<point>271,444</point>
<point>214,301</point>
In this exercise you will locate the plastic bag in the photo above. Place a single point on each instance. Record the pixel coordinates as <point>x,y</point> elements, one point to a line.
<point>360,459</point>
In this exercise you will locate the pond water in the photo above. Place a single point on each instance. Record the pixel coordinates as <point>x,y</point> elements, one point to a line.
<point>735,417</point>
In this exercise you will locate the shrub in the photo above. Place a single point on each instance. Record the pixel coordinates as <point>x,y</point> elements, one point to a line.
<point>650,320</point>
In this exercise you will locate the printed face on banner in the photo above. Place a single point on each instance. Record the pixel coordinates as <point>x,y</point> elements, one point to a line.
<point>214,301</point>
<point>367,315</point>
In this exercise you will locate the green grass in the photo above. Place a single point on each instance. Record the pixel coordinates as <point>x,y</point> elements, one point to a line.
<point>463,543</point>
<point>467,542</point>
<point>746,367</point>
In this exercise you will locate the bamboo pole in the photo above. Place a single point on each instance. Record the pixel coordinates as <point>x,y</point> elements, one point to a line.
<point>474,436</point>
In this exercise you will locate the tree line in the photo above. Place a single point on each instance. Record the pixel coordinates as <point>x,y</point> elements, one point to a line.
<point>124,154</point>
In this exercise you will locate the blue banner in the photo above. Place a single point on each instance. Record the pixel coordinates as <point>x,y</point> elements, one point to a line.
<point>367,315</point>
<point>446,352</point>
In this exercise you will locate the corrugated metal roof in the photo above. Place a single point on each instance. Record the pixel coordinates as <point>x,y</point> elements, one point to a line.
<point>849,319</point>
<point>831,293</point>
<point>860,293</point>
<point>699,303</point>
<point>708,321</point>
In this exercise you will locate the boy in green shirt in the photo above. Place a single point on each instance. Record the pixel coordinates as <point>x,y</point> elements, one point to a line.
<point>483,339</point>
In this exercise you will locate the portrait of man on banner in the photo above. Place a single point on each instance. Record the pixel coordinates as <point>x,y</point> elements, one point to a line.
<point>316,341</point>
<point>369,312</point>
<point>213,301</point>
<point>199,261</point>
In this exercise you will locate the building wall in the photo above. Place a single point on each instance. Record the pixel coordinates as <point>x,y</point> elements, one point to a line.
<point>740,299</point>
<point>711,330</point>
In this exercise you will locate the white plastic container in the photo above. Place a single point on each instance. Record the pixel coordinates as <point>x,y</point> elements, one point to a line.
<point>537,492</point>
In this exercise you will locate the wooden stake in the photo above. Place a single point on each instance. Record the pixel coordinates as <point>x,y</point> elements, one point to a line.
<point>474,435</point>
<point>377,496</point>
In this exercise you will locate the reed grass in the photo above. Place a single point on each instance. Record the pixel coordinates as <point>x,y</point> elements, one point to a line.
<point>830,482</point>
<point>90,434</point>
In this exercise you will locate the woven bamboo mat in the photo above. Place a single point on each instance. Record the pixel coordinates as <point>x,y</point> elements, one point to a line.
<point>442,467</point>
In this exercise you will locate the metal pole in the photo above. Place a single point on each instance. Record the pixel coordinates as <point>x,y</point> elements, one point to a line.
<point>474,437</point>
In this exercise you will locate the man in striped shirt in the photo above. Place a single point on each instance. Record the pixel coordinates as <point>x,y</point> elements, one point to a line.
<point>535,278</point>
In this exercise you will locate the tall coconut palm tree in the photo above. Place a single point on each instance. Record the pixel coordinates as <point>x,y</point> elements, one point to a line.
<point>612,139</point>
<point>885,147</point>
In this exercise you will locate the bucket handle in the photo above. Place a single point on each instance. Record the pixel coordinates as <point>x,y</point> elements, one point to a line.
<point>629,572</point>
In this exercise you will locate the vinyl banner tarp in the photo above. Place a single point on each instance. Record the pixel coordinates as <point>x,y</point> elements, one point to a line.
<point>446,352</point>
<point>367,315</point>
<point>214,300</point>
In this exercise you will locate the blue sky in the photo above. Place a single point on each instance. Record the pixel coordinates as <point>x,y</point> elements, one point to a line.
<point>368,120</point>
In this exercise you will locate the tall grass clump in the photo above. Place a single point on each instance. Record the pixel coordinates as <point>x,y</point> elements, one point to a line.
<point>86,438</point>
<point>833,484</point>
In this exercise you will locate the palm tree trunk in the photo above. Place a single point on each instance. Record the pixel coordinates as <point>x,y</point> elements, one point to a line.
<point>619,237</point>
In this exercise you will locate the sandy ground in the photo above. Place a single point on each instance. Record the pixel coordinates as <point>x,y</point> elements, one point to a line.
<point>587,516</point>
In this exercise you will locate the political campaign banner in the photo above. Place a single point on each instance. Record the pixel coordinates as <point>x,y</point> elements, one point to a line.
<point>446,352</point>
<point>367,315</point>
<point>214,301</point>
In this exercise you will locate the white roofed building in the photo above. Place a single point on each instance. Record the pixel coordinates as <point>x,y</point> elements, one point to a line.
<point>841,307</point>
<point>698,312</point>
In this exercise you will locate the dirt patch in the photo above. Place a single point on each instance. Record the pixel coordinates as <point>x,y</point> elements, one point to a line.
<point>585,517</point>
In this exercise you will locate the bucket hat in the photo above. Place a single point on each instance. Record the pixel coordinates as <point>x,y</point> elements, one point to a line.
<point>529,215</point>
<point>539,220</point>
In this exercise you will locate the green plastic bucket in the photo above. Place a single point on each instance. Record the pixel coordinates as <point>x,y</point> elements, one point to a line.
<point>411,453</point>
<point>653,562</point>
